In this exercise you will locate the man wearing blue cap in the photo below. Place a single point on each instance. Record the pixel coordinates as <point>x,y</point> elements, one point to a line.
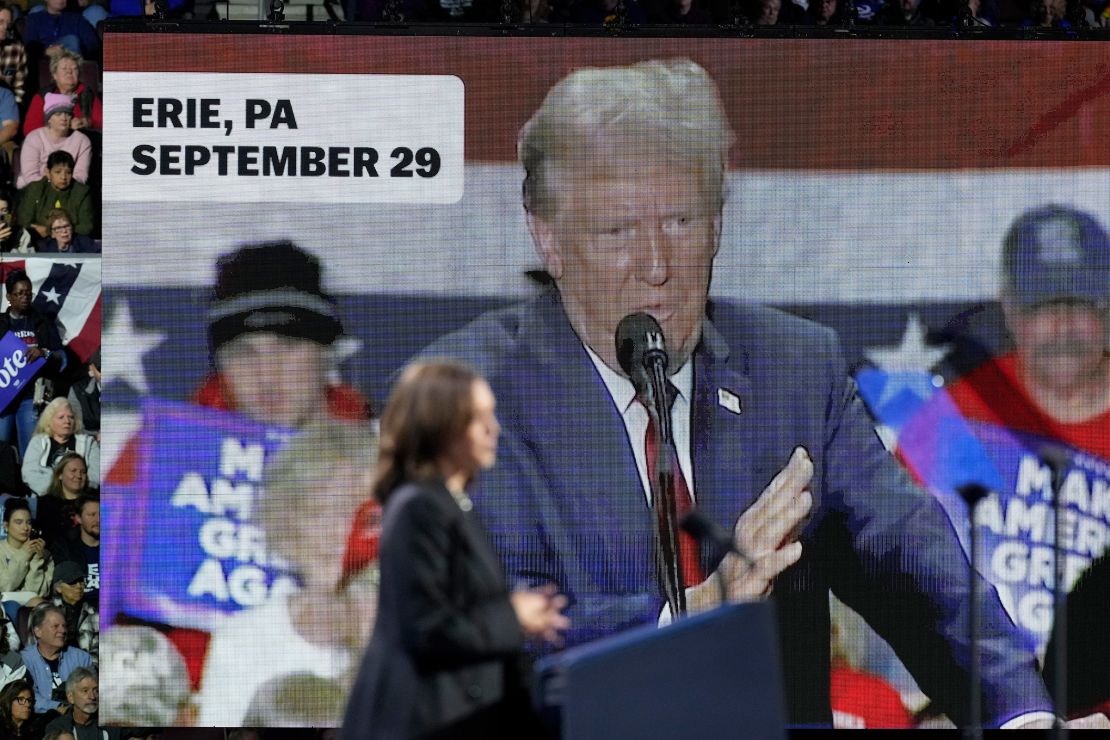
<point>1055,383</point>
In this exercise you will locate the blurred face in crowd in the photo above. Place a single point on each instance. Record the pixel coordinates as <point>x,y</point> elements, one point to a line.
<point>89,516</point>
<point>1062,344</point>
<point>60,176</point>
<point>823,10</point>
<point>22,706</point>
<point>65,75</point>
<point>18,527</point>
<point>5,22</point>
<point>55,7</point>
<point>275,379</point>
<point>19,297</point>
<point>63,424</point>
<point>768,12</point>
<point>85,697</point>
<point>74,477</point>
<point>909,7</point>
<point>58,122</point>
<point>641,238</point>
<point>52,632</point>
<point>62,231</point>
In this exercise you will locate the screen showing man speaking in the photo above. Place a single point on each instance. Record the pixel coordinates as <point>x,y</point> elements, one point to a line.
<point>292,219</point>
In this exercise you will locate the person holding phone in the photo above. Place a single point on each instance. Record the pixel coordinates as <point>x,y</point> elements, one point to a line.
<point>26,567</point>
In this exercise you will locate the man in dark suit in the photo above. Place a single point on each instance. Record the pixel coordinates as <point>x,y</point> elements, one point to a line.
<point>624,189</point>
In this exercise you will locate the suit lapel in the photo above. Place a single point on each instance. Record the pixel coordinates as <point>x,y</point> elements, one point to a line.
<point>722,425</point>
<point>581,443</point>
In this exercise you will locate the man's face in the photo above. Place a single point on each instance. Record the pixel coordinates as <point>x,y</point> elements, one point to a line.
<point>1062,344</point>
<point>275,379</point>
<point>61,176</point>
<point>90,519</point>
<point>55,6</point>
<point>52,632</point>
<point>86,696</point>
<point>643,240</point>
<point>5,22</point>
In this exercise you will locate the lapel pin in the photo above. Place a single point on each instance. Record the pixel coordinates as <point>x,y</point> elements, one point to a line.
<point>728,400</point>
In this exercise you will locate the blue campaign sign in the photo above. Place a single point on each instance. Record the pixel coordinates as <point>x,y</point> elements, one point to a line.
<point>199,555</point>
<point>15,370</point>
<point>1015,522</point>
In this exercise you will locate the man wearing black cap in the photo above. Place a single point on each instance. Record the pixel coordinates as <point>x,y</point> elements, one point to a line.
<point>270,325</point>
<point>82,617</point>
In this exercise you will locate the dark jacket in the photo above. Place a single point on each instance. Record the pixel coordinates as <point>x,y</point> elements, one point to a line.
<point>446,643</point>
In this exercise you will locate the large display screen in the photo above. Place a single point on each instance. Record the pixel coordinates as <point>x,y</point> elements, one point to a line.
<point>869,187</point>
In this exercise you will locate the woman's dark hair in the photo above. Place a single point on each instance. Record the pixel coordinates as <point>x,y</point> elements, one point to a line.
<point>13,505</point>
<point>429,408</point>
<point>15,277</point>
<point>61,156</point>
<point>7,697</point>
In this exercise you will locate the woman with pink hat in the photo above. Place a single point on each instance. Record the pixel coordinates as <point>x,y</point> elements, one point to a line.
<point>55,135</point>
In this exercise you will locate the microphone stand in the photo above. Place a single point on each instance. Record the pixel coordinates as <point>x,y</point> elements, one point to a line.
<point>663,498</point>
<point>659,407</point>
<point>1059,461</point>
<point>972,494</point>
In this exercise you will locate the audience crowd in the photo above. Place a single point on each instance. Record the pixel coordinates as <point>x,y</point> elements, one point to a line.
<point>50,145</point>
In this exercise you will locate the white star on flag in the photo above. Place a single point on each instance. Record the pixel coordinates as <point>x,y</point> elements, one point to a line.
<point>126,345</point>
<point>51,295</point>
<point>908,364</point>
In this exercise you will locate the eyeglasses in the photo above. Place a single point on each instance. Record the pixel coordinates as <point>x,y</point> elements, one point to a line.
<point>20,293</point>
<point>67,227</point>
<point>23,700</point>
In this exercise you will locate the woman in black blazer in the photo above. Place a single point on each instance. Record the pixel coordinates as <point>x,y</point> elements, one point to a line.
<point>445,657</point>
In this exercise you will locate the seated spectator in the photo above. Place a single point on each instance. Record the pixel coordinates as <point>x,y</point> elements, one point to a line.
<point>62,239</point>
<point>56,434</point>
<point>83,696</point>
<point>149,680</point>
<point>13,237</point>
<point>677,12</point>
<point>823,13</point>
<point>84,397</point>
<point>82,545</point>
<point>58,27</point>
<point>9,127</point>
<point>82,617</point>
<point>56,513</point>
<point>904,13</point>
<point>55,135</point>
<point>26,567</point>
<point>41,335</point>
<point>49,660</point>
<point>56,190</point>
<point>17,714</point>
<point>65,69</point>
<point>13,56</point>
<point>606,12</point>
<point>764,12</point>
<point>11,662</point>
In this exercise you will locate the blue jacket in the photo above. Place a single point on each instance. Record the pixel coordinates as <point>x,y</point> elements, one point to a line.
<point>39,672</point>
<point>564,502</point>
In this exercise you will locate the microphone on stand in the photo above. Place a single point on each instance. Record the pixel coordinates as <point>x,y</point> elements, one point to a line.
<point>642,354</point>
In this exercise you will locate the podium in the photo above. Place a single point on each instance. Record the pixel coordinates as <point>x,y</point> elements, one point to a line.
<point>713,675</point>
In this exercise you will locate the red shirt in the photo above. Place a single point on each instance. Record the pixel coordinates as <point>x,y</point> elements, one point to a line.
<point>860,700</point>
<point>994,393</point>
